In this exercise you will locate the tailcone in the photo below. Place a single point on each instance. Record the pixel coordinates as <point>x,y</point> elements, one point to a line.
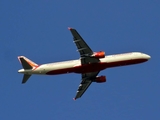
<point>21,71</point>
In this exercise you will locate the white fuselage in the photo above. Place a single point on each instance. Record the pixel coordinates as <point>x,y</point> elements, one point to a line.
<point>76,67</point>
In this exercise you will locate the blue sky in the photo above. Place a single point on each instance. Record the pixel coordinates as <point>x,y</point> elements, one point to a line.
<point>38,30</point>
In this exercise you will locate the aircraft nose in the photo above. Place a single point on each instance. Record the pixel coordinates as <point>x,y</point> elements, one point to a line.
<point>147,56</point>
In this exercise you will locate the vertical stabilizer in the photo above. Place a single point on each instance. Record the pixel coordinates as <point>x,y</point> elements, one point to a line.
<point>26,63</point>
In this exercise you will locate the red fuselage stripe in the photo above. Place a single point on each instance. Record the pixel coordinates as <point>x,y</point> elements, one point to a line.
<point>95,67</point>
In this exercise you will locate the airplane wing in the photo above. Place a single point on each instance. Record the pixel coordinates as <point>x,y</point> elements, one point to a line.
<point>85,54</point>
<point>82,47</point>
<point>86,81</point>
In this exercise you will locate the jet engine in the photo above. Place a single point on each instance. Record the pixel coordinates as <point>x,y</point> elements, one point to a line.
<point>100,54</point>
<point>100,79</point>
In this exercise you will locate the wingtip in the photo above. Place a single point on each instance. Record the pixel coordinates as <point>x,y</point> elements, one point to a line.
<point>74,99</point>
<point>69,28</point>
<point>23,82</point>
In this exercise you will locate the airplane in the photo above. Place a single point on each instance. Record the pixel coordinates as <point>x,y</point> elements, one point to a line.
<point>88,65</point>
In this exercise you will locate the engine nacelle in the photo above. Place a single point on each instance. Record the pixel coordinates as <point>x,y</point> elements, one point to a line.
<point>100,79</point>
<point>100,54</point>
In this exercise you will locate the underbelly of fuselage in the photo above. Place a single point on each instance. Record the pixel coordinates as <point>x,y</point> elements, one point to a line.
<point>79,69</point>
<point>94,67</point>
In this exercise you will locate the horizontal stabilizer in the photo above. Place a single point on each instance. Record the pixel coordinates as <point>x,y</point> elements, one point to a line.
<point>25,78</point>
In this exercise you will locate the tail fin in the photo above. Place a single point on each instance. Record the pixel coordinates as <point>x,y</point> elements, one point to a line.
<point>26,64</point>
